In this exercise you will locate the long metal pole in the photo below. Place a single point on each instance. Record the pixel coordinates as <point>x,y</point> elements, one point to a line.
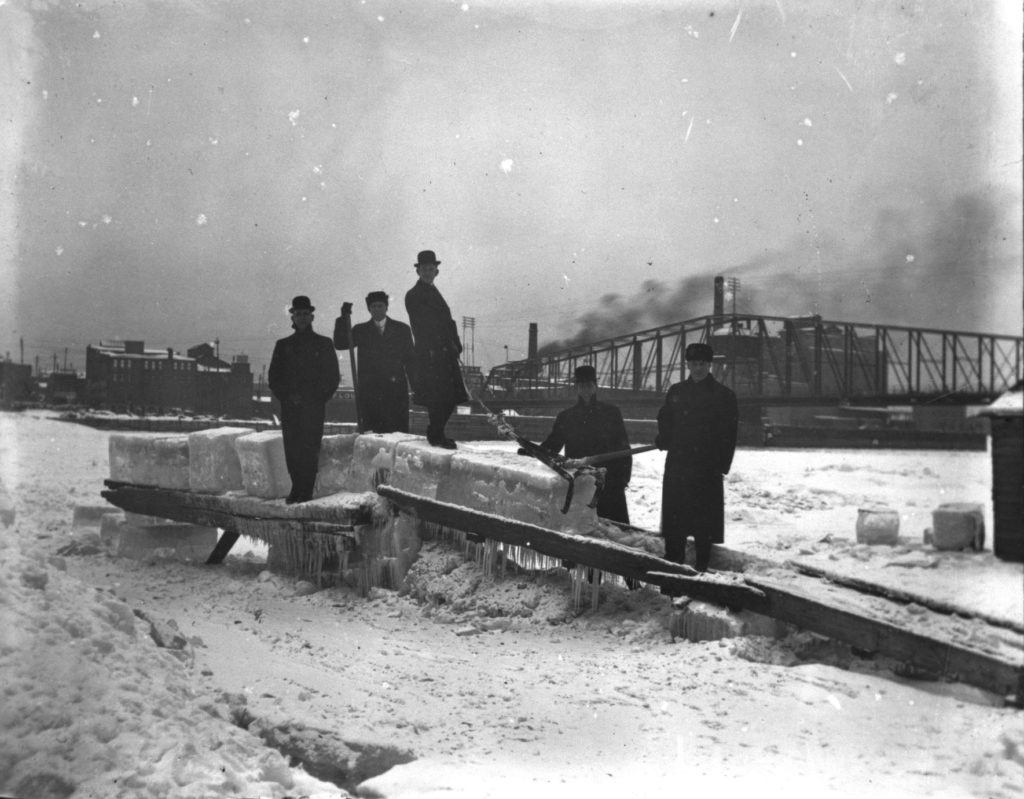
<point>352,364</point>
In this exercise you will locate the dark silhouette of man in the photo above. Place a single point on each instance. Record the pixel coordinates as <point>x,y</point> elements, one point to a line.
<point>385,354</point>
<point>303,375</point>
<point>592,427</point>
<point>437,376</point>
<point>697,425</point>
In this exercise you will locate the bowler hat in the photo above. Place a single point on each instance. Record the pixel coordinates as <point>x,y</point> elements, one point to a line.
<point>301,303</point>
<point>585,374</point>
<point>377,296</point>
<point>426,258</point>
<point>699,352</point>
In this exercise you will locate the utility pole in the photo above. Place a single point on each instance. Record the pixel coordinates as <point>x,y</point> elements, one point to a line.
<point>21,343</point>
<point>469,337</point>
<point>734,288</point>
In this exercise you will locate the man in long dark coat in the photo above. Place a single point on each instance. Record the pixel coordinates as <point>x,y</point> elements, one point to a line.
<point>385,355</point>
<point>592,427</point>
<point>303,375</point>
<point>437,376</point>
<point>697,425</point>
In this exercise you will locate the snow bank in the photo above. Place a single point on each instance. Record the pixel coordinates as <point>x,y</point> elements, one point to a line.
<point>85,686</point>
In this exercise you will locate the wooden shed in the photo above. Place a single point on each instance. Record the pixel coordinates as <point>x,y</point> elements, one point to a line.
<point>1006,417</point>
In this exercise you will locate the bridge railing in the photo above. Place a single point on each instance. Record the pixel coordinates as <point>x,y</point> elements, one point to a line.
<point>789,358</point>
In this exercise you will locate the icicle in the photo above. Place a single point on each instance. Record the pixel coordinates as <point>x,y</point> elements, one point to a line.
<point>578,579</point>
<point>595,590</point>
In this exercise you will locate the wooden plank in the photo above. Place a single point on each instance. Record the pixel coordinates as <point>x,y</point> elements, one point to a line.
<point>239,515</point>
<point>227,540</point>
<point>357,510</point>
<point>944,658</point>
<point>900,595</point>
<point>733,595</point>
<point>596,553</point>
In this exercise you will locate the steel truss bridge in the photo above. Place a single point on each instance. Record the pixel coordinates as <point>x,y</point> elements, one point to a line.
<point>778,360</point>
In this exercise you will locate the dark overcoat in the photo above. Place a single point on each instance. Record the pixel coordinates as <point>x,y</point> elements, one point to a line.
<point>384,369</point>
<point>437,376</point>
<point>303,375</point>
<point>595,428</point>
<point>697,425</point>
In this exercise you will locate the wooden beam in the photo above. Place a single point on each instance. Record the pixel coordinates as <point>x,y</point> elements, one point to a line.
<point>229,511</point>
<point>945,658</point>
<point>227,540</point>
<point>900,595</point>
<point>594,552</point>
<point>734,595</point>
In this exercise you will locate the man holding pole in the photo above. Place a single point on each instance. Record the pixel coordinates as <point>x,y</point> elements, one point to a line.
<point>591,427</point>
<point>382,376</point>
<point>437,383</point>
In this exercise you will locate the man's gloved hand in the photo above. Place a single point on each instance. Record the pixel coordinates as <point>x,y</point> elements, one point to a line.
<point>346,309</point>
<point>521,451</point>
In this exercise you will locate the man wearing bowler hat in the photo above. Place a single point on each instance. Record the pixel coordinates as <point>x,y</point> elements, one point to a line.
<point>385,363</point>
<point>303,375</point>
<point>592,427</point>
<point>437,376</point>
<point>697,426</point>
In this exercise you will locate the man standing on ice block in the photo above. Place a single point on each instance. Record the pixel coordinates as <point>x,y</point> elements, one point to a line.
<point>592,427</point>
<point>385,363</point>
<point>303,375</point>
<point>437,378</point>
<point>697,425</point>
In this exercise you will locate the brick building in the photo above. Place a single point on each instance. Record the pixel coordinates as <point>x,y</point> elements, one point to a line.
<point>128,375</point>
<point>15,382</point>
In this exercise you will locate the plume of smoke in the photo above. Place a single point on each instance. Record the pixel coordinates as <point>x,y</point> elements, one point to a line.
<point>956,267</point>
<point>655,304</point>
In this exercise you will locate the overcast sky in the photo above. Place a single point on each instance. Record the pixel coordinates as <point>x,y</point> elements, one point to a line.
<point>176,171</point>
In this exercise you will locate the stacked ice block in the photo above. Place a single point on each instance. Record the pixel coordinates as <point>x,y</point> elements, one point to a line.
<point>213,464</point>
<point>230,459</point>
<point>518,487</point>
<point>150,459</point>
<point>261,459</point>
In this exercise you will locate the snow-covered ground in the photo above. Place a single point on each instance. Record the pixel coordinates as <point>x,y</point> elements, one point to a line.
<point>471,686</point>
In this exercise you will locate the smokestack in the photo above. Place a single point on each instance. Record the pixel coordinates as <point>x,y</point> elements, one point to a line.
<point>719,296</point>
<point>531,347</point>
